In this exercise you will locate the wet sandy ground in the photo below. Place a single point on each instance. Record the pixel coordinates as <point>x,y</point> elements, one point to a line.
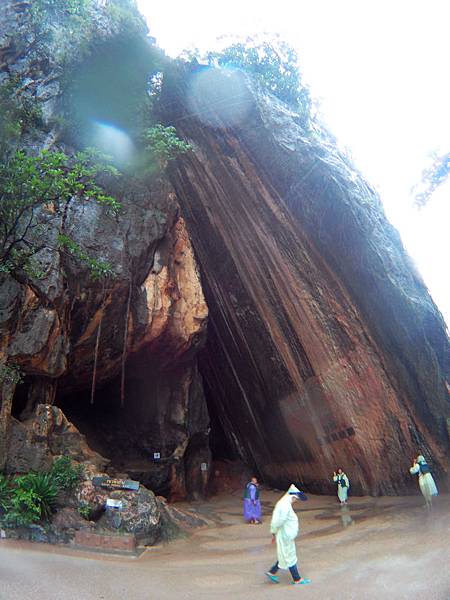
<point>377,548</point>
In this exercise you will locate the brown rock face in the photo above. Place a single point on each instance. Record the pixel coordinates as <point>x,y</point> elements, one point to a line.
<point>324,347</point>
<point>156,320</point>
<point>118,356</point>
<point>34,442</point>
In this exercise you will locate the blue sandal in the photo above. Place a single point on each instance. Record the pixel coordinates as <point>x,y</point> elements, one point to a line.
<point>272,577</point>
<point>302,581</point>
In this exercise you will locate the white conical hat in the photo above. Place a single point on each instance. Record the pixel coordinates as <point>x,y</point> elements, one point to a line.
<point>294,491</point>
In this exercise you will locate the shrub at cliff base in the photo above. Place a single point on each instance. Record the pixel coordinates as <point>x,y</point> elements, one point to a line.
<point>27,499</point>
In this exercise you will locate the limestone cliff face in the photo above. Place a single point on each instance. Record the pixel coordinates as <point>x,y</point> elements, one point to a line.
<point>152,312</point>
<point>119,356</point>
<point>324,347</point>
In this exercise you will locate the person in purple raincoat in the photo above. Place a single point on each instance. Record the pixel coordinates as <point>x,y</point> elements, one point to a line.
<point>252,503</point>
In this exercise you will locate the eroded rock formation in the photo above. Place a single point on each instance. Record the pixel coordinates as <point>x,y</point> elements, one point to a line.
<point>324,346</point>
<point>118,356</point>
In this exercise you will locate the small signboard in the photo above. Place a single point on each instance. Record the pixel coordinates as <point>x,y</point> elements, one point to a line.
<point>156,455</point>
<point>204,467</point>
<point>116,484</point>
<point>113,503</point>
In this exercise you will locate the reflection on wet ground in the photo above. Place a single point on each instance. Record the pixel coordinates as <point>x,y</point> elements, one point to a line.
<point>371,548</point>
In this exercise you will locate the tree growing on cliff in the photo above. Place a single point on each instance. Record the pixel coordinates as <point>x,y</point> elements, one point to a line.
<point>19,114</point>
<point>271,62</point>
<point>163,145</point>
<point>33,187</point>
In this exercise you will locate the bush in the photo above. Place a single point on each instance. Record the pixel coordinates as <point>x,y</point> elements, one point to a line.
<point>64,475</point>
<point>43,489</point>
<point>47,182</point>
<point>85,511</point>
<point>5,494</point>
<point>26,499</point>
<point>24,508</point>
<point>163,144</point>
<point>271,62</point>
<point>19,114</point>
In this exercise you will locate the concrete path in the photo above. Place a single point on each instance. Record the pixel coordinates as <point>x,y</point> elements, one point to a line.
<point>378,548</point>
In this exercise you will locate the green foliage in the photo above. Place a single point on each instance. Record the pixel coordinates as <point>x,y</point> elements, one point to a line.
<point>163,145</point>
<point>43,488</point>
<point>45,183</point>
<point>64,475</point>
<point>85,511</point>
<point>272,63</point>
<point>29,498</point>
<point>19,114</point>
<point>432,178</point>
<point>125,16</point>
<point>10,373</point>
<point>5,494</point>
<point>56,27</point>
<point>61,7</point>
<point>99,269</point>
<point>24,508</point>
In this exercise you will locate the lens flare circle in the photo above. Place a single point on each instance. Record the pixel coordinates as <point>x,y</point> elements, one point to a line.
<point>112,140</point>
<point>219,98</point>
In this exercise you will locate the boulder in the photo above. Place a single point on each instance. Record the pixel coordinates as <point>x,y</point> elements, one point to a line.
<point>34,443</point>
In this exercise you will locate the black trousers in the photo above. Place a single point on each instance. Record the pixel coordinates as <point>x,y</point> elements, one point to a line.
<point>293,571</point>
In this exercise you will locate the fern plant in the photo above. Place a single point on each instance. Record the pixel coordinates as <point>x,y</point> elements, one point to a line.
<point>44,491</point>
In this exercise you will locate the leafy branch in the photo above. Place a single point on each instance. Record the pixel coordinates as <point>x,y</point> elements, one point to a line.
<point>271,62</point>
<point>32,186</point>
<point>99,269</point>
<point>163,145</point>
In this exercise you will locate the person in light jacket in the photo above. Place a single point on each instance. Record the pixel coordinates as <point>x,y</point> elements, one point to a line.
<point>284,530</point>
<point>343,484</point>
<point>426,482</point>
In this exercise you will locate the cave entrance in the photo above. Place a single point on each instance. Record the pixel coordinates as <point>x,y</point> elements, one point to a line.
<point>133,437</point>
<point>159,436</point>
<point>229,472</point>
<point>109,428</point>
<point>29,392</point>
<point>20,400</point>
<point>222,449</point>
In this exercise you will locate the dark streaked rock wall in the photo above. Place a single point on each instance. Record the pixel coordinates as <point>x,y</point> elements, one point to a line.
<point>324,347</point>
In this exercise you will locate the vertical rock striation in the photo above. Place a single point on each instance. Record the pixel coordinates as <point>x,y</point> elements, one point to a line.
<point>324,346</point>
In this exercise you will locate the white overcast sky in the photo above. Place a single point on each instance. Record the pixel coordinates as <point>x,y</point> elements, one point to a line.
<point>381,71</point>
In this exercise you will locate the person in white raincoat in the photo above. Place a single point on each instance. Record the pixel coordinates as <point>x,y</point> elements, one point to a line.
<point>426,482</point>
<point>343,484</point>
<point>284,528</point>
